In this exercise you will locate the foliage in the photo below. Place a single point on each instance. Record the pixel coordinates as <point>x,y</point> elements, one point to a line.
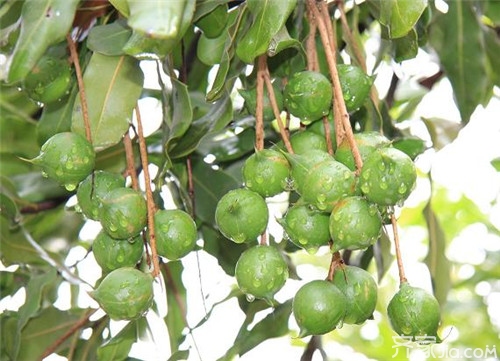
<point>194,58</point>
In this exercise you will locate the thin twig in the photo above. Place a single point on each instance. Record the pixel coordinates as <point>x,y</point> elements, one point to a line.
<point>79,324</point>
<point>320,12</point>
<point>276,111</point>
<point>328,135</point>
<point>149,194</point>
<point>399,259</point>
<point>129,154</point>
<point>79,78</point>
<point>312,54</point>
<point>259,108</point>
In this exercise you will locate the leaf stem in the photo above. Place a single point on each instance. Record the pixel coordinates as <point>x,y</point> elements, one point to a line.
<point>399,259</point>
<point>149,194</point>
<point>336,262</point>
<point>79,78</point>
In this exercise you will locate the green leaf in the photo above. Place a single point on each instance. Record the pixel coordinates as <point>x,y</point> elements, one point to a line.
<point>34,293</point>
<point>179,356</point>
<point>382,255</point>
<point>439,266</point>
<point>492,42</point>
<point>496,164</point>
<point>56,117</point>
<point>112,87</point>
<point>109,39</point>
<point>406,47</point>
<point>399,16</point>
<point>219,115</point>
<point>281,41</point>
<point>121,6</point>
<point>269,17</point>
<point>142,46</point>
<point>225,251</point>
<point>43,23</point>
<point>458,39</point>
<point>176,302</point>
<point>273,325</point>
<point>181,117</point>
<point>209,186</point>
<point>159,18</point>
<point>227,147</point>
<point>118,347</point>
<point>442,131</point>
<point>40,332</point>
<point>211,51</point>
<point>213,23</point>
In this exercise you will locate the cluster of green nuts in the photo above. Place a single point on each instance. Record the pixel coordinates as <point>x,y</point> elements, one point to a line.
<point>125,292</point>
<point>334,204</point>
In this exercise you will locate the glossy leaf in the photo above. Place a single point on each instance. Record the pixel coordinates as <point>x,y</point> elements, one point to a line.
<point>181,116</point>
<point>269,17</point>
<point>217,117</point>
<point>442,131</point>
<point>281,41</point>
<point>210,185</point>
<point>143,46</point>
<point>226,147</point>
<point>213,23</point>
<point>400,15</point>
<point>225,251</point>
<point>406,47</point>
<point>34,293</point>
<point>273,325</point>
<point>439,266</point>
<point>109,39</point>
<point>159,18</point>
<point>43,23</point>
<point>40,332</point>
<point>56,118</point>
<point>176,302</point>
<point>112,86</point>
<point>118,347</point>
<point>458,39</point>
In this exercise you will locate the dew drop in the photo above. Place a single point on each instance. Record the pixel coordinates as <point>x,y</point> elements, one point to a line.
<point>279,270</point>
<point>256,282</point>
<point>250,298</point>
<point>302,241</point>
<point>311,250</point>
<point>337,216</point>
<point>262,256</point>
<point>86,160</point>
<point>381,166</point>
<point>366,174</point>
<point>340,324</point>
<point>59,172</point>
<point>383,185</point>
<point>259,180</point>
<point>402,188</point>
<point>113,227</point>
<point>44,174</point>
<point>249,184</point>
<point>270,286</point>
<point>321,197</point>
<point>120,258</point>
<point>70,187</point>
<point>69,165</point>
<point>365,188</point>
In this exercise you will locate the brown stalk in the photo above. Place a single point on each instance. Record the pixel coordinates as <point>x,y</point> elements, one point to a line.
<point>79,78</point>
<point>320,12</point>
<point>399,259</point>
<point>129,155</point>
<point>149,194</point>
